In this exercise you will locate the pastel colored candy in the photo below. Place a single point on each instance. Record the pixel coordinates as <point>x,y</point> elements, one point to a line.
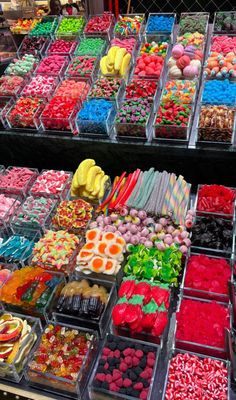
<point>177,51</point>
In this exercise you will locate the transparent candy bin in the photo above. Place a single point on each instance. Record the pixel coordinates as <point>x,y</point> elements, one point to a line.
<point>137,35</point>
<point>70,34</point>
<point>221,29</point>
<point>60,194</point>
<point>90,75</point>
<point>79,52</point>
<point>117,97</point>
<point>20,258</point>
<point>6,218</point>
<point>96,129</point>
<point>74,93</point>
<point>69,53</point>
<point>8,47</point>
<point>10,267</point>
<point>59,74</point>
<point>102,277</point>
<point>99,324</point>
<point>32,123</point>
<point>204,16</point>
<point>60,126</point>
<point>174,351</point>
<point>14,92</point>
<point>210,250</point>
<point>44,223</point>
<point>15,370</point>
<point>46,95</point>
<point>48,18</point>
<point>39,53</point>
<point>198,347</point>
<point>5,104</point>
<point>25,74</point>
<point>29,309</point>
<point>108,33</point>
<point>220,137</point>
<point>230,216</point>
<point>150,35</point>
<point>22,192</point>
<point>170,133</point>
<point>63,386</point>
<point>204,294</point>
<point>102,394</point>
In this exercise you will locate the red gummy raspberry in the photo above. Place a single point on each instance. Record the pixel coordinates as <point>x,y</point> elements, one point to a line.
<point>127,382</point>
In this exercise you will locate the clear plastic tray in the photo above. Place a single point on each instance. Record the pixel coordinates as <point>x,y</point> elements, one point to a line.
<point>6,218</point>
<point>107,33</point>
<point>216,214</point>
<point>32,124</point>
<point>63,386</point>
<point>39,53</point>
<point>103,277</point>
<point>14,92</point>
<point>70,34</point>
<point>5,104</point>
<point>78,52</point>
<point>221,30</point>
<point>60,74</point>
<point>153,34</point>
<point>102,394</point>
<point>46,96</point>
<point>24,258</point>
<point>73,42</point>
<point>215,135</point>
<point>96,129</point>
<point>29,309</point>
<point>49,18</point>
<point>14,371</point>
<point>117,97</point>
<point>8,47</point>
<point>199,347</point>
<point>60,126</point>
<point>200,16</point>
<point>141,29</point>
<point>80,95</point>
<point>21,192</point>
<point>90,75</point>
<point>45,219</point>
<point>99,324</point>
<point>174,351</point>
<point>204,294</point>
<point>62,194</point>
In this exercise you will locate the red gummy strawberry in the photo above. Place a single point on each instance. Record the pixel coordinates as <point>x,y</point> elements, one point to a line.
<point>133,313</point>
<point>160,323</point>
<point>160,295</point>
<point>150,313</point>
<point>143,289</point>
<point>126,288</point>
<point>119,311</point>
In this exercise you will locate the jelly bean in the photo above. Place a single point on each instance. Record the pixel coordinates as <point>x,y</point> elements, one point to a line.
<point>73,88</point>
<point>40,86</point>
<point>90,47</point>
<point>81,66</point>
<point>219,92</point>
<point>61,46</point>
<point>92,117</point>
<point>71,25</point>
<point>160,23</point>
<point>106,88</point>
<point>10,85</point>
<point>57,113</point>
<point>159,49</point>
<point>22,66</point>
<point>99,23</point>
<point>128,25</point>
<point>32,45</point>
<point>22,115</point>
<point>52,65</point>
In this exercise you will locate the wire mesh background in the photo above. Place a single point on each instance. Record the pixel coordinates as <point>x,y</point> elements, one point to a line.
<point>178,6</point>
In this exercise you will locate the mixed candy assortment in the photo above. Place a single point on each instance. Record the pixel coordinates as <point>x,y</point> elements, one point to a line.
<point>145,214</point>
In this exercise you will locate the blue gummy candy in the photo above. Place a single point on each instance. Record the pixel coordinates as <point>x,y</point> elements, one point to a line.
<point>219,92</point>
<point>92,118</point>
<point>158,23</point>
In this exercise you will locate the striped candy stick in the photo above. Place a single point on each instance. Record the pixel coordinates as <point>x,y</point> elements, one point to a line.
<point>167,206</point>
